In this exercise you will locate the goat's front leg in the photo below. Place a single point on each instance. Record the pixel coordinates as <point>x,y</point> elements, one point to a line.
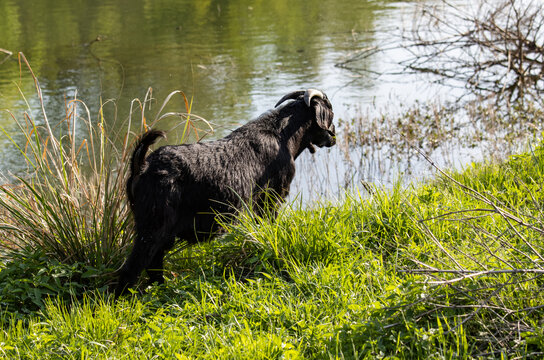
<point>155,268</point>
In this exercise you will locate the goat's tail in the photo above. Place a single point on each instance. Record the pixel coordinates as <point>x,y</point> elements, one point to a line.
<point>138,157</point>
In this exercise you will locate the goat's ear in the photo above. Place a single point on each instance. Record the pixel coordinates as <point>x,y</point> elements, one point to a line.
<point>322,107</point>
<point>323,113</point>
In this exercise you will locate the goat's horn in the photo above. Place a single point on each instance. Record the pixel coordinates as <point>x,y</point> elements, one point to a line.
<point>310,93</point>
<point>291,95</point>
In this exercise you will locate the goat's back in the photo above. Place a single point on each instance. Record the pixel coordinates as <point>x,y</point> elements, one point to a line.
<point>190,183</point>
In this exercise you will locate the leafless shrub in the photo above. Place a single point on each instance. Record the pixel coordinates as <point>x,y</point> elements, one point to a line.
<point>494,49</point>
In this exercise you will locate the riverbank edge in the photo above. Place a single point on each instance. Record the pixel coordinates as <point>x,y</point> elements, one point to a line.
<point>348,280</point>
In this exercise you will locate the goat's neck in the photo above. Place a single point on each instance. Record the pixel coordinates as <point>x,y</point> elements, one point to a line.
<point>294,134</point>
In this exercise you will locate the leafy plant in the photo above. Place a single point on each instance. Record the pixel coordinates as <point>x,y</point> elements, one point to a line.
<point>28,279</point>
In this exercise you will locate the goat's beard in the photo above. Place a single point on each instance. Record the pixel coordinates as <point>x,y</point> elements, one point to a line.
<point>311,147</point>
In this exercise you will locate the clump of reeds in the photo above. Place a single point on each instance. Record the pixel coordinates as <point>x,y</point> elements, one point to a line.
<point>70,204</point>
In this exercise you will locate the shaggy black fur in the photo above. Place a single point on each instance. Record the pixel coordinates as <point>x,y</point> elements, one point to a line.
<point>177,191</point>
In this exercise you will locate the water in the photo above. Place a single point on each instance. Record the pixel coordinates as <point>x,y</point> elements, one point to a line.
<point>235,59</point>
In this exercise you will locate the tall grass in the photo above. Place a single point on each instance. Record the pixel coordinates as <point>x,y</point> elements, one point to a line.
<point>407,273</point>
<point>459,259</point>
<point>70,204</point>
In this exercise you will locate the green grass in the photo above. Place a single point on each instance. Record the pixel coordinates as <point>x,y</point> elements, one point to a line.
<point>363,278</point>
<point>65,224</point>
<point>451,268</point>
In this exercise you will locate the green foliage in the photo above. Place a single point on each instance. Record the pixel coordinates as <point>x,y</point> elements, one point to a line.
<point>451,268</point>
<point>346,280</point>
<point>28,279</point>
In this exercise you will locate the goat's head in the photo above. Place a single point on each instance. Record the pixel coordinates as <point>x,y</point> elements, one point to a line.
<point>322,131</point>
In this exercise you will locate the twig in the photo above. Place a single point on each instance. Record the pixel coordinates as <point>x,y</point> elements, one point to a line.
<point>473,272</point>
<point>8,55</point>
<point>437,242</point>
<point>460,212</point>
<point>477,195</point>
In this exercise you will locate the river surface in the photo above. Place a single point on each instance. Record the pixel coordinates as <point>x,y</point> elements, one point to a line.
<point>234,59</point>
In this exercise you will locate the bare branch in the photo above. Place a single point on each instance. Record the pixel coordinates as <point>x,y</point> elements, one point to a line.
<point>493,49</point>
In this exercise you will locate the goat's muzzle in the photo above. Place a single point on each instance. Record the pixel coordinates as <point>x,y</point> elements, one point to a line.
<point>324,138</point>
<point>330,138</point>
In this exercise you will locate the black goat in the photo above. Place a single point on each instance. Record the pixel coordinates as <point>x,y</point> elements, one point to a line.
<point>177,191</point>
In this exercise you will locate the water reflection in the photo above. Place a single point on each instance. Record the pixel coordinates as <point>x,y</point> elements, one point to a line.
<point>234,58</point>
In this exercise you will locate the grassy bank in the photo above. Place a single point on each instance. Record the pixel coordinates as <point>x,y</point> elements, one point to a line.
<point>447,269</point>
<point>450,268</point>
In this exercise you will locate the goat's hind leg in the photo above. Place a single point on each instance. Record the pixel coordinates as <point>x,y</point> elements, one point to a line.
<point>144,251</point>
